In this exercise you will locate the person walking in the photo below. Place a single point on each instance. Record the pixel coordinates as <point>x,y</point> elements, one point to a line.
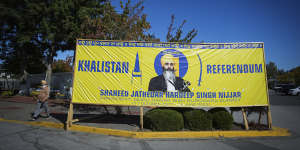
<point>42,101</point>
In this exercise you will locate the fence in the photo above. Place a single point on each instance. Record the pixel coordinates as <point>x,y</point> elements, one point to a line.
<point>7,81</point>
<point>60,82</point>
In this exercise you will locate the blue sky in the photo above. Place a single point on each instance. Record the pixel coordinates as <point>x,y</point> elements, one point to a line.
<point>274,22</point>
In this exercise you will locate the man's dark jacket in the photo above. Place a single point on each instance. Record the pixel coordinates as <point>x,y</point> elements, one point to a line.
<point>158,84</point>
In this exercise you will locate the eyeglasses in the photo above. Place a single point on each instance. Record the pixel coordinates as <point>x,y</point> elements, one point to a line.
<point>169,64</point>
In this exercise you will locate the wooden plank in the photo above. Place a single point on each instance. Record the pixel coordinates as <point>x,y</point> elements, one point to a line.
<point>245,119</point>
<point>75,120</point>
<point>269,118</point>
<point>141,118</point>
<point>70,117</point>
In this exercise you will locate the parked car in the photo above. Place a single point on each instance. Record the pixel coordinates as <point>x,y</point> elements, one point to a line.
<point>295,91</point>
<point>284,88</point>
<point>277,88</point>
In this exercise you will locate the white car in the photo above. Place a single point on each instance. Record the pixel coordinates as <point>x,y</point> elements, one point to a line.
<point>295,91</point>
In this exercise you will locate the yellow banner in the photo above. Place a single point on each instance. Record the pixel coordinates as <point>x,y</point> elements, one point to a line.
<point>169,74</point>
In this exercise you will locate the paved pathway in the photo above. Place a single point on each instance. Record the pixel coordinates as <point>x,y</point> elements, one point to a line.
<point>18,136</point>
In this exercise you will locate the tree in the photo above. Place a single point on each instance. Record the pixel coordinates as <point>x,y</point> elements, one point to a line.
<point>45,27</point>
<point>48,26</point>
<point>177,37</point>
<point>18,60</point>
<point>272,70</point>
<point>129,24</point>
<point>291,76</point>
<point>61,66</point>
<point>296,75</point>
<point>16,30</point>
<point>60,23</point>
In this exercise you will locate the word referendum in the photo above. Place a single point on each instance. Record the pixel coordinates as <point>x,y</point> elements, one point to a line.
<point>235,68</point>
<point>170,45</point>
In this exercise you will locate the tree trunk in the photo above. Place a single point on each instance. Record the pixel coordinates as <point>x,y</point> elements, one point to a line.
<point>49,66</point>
<point>48,75</point>
<point>73,63</point>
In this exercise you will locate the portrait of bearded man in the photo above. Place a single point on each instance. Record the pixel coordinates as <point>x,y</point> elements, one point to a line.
<point>168,81</point>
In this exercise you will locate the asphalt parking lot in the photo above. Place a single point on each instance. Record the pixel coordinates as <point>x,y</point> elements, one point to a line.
<point>285,110</point>
<point>280,99</point>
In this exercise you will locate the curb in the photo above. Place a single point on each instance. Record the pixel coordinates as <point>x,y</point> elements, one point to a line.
<point>276,131</point>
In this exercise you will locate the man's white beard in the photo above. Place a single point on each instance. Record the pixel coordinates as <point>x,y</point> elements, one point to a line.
<point>170,77</point>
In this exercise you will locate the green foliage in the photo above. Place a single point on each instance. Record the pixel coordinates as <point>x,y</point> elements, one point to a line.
<point>32,31</point>
<point>34,93</point>
<point>272,70</point>
<point>197,120</point>
<point>295,74</point>
<point>222,120</point>
<point>130,24</point>
<point>177,37</point>
<point>284,77</point>
<point>19,57</point>
<point>217,109</point>
<point>232,109</point>
<point>291,76</point>
<point>179,109</point>
<point>164,120</point>
<point>61,66</point>
<point>7,93</point>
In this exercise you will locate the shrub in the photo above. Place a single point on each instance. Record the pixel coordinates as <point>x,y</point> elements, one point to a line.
<point>34,93</point>
<point>235,109</point>
<point>197,120</point>
<point>163,120</point>
<point>181,109</point>
<point>217,109</point>
<point>222,120</point>
<point>7,93</point>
